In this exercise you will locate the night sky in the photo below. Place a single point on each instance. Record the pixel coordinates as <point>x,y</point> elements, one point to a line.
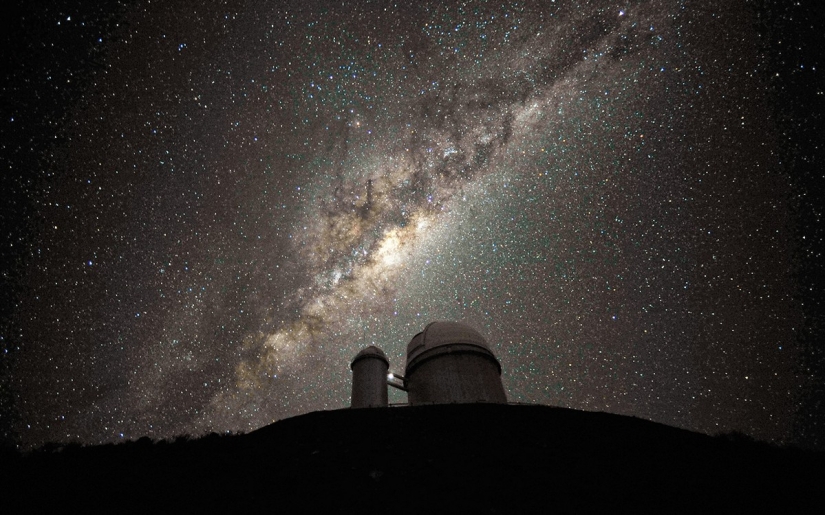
<point>210,209</point>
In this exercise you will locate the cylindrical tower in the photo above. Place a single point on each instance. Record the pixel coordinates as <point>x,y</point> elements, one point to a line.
<point>450,362</point>
<point>369,378</point>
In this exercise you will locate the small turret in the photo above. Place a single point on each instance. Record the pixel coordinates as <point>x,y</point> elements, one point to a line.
<point>369,378</point>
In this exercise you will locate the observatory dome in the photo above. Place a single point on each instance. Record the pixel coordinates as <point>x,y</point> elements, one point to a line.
<point>450,362</point>
<point>440,337</point>
<point>370,352</point>
<point>369,378</point>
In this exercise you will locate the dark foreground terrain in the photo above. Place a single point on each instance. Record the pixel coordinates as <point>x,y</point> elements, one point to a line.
<point>457,458</point>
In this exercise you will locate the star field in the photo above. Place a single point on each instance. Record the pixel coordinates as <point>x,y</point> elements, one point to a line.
<point>214,208</point>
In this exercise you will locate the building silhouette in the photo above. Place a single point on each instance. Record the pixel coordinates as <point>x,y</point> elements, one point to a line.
<point>447,363</point>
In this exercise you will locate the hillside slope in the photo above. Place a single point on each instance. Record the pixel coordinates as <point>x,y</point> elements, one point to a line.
<point>463,458</point>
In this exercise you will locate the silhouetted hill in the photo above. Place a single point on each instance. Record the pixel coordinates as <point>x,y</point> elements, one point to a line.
<point>459,458</point>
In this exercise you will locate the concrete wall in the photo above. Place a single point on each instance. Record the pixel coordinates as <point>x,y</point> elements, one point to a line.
<point>455,377</point>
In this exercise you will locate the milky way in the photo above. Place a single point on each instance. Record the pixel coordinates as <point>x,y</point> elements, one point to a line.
<point>232,200</point>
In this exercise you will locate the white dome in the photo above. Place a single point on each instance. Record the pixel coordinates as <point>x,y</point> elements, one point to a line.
<point>370,352</point>
<point>442,334</point>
